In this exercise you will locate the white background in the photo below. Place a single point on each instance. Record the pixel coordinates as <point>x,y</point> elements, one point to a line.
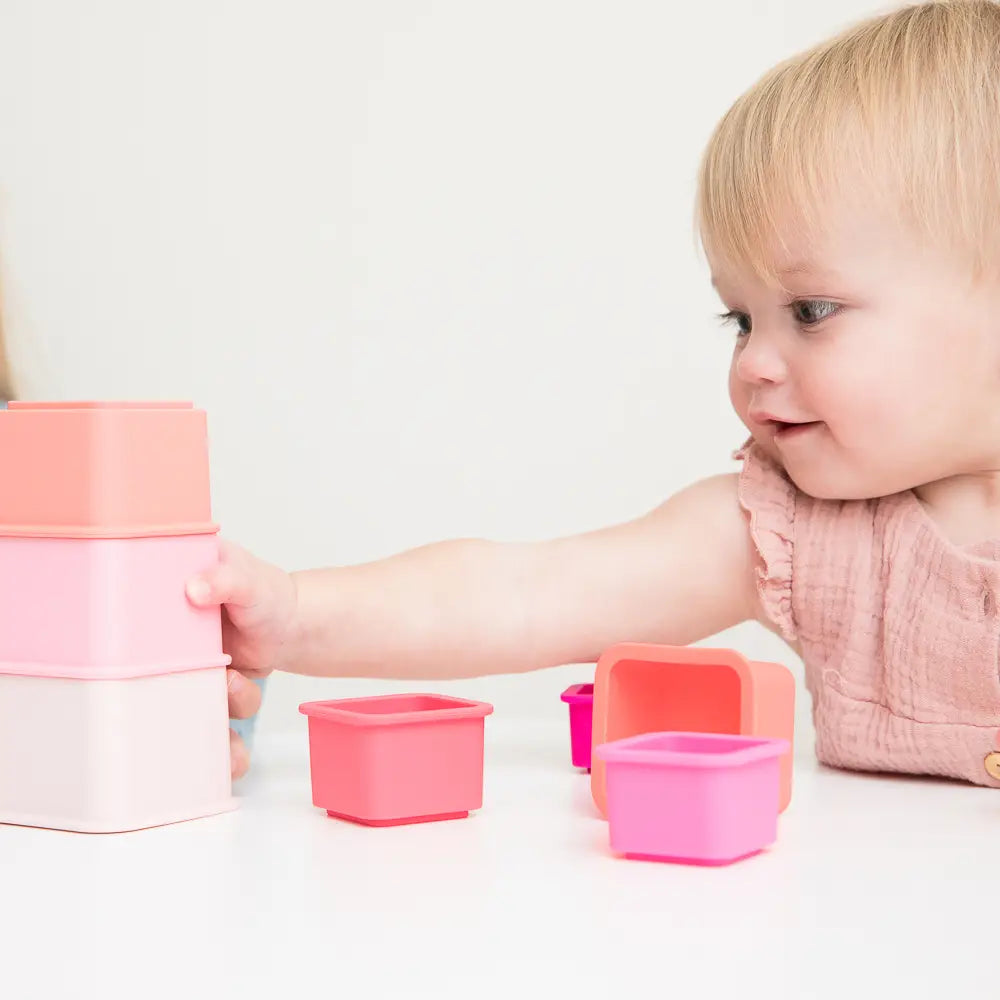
<point>430,267</point>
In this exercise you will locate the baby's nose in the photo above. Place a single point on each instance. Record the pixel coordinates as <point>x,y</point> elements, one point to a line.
<point>759,361</point>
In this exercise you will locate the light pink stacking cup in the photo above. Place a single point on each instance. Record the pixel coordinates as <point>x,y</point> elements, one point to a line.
<point>693,798</point>
<point>113,703</point>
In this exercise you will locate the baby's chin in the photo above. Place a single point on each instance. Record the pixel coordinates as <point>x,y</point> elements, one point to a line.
<point>823,479</point>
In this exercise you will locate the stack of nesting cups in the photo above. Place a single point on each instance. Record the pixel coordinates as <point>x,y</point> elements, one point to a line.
<point>113,702</point>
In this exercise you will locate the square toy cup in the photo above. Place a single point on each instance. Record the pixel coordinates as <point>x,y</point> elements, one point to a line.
<point>104,470</point>
<point>105,607</point>
<point>652,688</point>
<point>394,759</point>
<point>106,756</point>
<point>693,798</point>
<point>580,698</point>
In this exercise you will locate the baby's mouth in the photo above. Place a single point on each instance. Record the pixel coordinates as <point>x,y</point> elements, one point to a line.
<point>785,429</point>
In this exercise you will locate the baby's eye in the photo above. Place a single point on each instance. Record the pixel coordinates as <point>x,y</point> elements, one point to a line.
<point>738,319</point>
<point>808,312</point>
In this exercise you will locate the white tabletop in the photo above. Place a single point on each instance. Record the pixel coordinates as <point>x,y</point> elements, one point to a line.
<point>876,887</point>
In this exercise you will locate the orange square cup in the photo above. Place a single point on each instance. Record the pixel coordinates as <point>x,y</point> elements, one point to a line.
<point>104,470</point>
<point>642,688</point>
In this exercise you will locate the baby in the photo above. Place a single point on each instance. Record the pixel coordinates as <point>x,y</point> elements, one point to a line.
<point>849,207</point>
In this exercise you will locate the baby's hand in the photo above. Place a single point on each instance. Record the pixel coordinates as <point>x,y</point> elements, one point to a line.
<point>258,603</point>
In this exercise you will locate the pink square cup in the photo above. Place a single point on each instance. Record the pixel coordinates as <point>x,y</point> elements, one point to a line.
<point>105,608</point>
<point>694,798</point>
<point>394,759</point>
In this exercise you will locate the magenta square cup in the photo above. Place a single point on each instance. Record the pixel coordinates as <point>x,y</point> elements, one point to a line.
<point>580,698</point>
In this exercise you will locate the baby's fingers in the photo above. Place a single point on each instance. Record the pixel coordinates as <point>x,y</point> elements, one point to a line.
<point>244,696</point>
<point>231,581</point>
<point>239,759</point>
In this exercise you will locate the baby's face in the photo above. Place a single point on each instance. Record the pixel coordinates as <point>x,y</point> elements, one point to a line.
<point>876,370</point>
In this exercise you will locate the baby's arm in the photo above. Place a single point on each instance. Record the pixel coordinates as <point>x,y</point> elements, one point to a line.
<point>463,608</point>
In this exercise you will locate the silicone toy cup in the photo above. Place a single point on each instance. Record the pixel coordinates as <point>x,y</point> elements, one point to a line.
<point>93,608</point>
<point>98,756</point>
<point>695,798</point>
<point>110,470</point>
<point>647,688</point>
<point>396,759</point>
<point>580,698</point>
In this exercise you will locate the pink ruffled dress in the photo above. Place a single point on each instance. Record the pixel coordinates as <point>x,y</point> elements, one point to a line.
<point>899,629</point>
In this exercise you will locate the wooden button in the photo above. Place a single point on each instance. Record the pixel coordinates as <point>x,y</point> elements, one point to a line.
<point>992,764</point>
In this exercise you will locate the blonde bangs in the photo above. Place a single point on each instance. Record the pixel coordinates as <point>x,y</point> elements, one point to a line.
<point>903,108</point>
<point>6,387</point>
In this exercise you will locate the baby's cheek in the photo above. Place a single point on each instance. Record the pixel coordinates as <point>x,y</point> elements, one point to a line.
<point>861,406</point>
<point>846,396</point>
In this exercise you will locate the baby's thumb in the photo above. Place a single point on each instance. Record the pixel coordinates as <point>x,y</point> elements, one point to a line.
<point>223,584</point>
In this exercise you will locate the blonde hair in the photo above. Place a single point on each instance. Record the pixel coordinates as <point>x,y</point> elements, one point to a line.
<point>903,107</point>
<point>6,381</point>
